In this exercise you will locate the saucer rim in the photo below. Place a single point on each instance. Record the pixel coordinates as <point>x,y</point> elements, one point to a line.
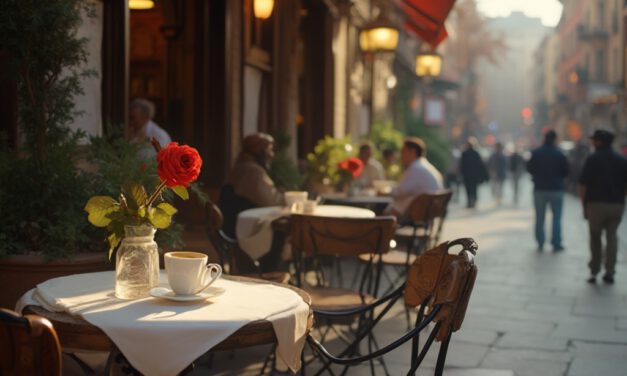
<point>203,295</point>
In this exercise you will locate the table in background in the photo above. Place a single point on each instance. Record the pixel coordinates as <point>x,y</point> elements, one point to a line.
<point>254,226</point>
<point>375,203</point>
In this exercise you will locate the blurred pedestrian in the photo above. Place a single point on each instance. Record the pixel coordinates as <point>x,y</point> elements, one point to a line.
<point>451,178</point>
<point>516,168</point>
<point>602,189</point>
<point>419,176</point>
<point>373,170</point>
<point>497,166</point>
<point>548,167</point>
<point>473,171</point>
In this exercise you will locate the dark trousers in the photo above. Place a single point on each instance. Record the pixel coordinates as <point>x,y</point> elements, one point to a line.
<point>603,217</point>
<point>471,193</point>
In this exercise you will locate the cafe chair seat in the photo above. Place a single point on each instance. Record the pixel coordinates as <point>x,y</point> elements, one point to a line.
<point>28,345</point>
<point>439,284</point>
<point>335,298</point>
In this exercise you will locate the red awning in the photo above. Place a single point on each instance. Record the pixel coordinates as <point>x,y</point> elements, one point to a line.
<point>425,18</point>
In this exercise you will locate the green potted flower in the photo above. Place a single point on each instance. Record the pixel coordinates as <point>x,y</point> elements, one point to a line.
<point>322,165</point>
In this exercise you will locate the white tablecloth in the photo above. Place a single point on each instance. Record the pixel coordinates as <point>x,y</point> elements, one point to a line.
<point>254,231</point>
<point>160,337</point>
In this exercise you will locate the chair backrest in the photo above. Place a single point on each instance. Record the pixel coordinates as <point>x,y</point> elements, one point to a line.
<point>331,236</point>
<point>445,280</point>
<point>231,205</point>
<point>324,239</point>
<point>428,211</point>
<point>29,344</point>
<point>228,249</point>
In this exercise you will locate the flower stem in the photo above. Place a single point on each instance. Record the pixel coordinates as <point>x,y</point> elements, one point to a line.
<point>155,194</point>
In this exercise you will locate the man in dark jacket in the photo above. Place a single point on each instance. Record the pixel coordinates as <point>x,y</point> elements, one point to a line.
<point>473,171</point>
<point>548,167</point>
<point>602,189</point>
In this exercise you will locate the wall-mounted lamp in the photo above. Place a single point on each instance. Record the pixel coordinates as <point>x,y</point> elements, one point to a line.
<point>140,4</point>
<point>428,64</point>
<point>379,35</point>
<point>263,8</point>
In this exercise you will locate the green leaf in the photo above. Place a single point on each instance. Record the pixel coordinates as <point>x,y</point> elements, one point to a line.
<point>141,212</point>
<point>159,218</point>
<point>169,209</point>
<point>98,207</point>
<point>114,240</point>
<point>181,192</point>
<point>136,195</point>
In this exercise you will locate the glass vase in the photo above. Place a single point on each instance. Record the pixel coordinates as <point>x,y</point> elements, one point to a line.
<point>136,263</point>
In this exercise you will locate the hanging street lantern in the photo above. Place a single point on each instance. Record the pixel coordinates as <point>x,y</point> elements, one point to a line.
<point>140,4</point>
<point>263,8</point>
<point>378,36</point>
<point>428,64</point>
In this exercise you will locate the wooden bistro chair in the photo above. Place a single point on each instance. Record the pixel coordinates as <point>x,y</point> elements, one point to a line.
<point>28,345</point>
<point>324,249</point>
<point>230,253</point>
<point>420,230</point>
<point>440,284</point>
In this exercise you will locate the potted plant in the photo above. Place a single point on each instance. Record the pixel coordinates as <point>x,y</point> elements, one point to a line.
<point>322,174</point>
<point>43,228</point>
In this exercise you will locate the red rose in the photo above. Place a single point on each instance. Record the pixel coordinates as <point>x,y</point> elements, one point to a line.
<point>178,165</point>
<point>353,165</point>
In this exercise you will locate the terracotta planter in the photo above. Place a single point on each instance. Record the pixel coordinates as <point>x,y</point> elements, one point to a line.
<point>21,273</point>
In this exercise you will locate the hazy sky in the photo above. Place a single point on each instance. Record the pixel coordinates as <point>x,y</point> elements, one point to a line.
<point>548,10</point>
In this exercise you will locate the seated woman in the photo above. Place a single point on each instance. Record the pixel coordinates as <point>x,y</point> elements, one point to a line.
<point>248,184</point>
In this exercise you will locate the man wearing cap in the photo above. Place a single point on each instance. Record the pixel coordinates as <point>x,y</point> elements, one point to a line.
<point>602,189</point>
<point>548,167</point>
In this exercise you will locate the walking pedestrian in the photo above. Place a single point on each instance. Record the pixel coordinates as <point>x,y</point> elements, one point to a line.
<point>602,189</point>
<point>473,171</point>
<point>497,165</point>
<point>516,168</point>
<point>548,167</point>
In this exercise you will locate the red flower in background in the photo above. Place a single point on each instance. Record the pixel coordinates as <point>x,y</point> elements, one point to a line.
<point>178,165</point>
<point>353,165</point>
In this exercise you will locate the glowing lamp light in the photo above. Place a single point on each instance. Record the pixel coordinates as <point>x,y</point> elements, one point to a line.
<point>573,77</point>
<point>263,8</point>
<point>378,35</point>
<point>526,113</point>
<point>428,65</point>
<point>140,4</point>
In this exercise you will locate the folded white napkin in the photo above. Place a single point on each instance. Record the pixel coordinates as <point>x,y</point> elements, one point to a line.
<point>254,230</point>
<point>160,337</point>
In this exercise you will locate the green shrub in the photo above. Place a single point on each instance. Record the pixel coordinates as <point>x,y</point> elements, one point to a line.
<point>322,163</point>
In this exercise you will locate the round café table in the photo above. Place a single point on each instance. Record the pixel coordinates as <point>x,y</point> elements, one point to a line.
<point>254,231</point>
<point>75,333</point>
<point>375,203</point>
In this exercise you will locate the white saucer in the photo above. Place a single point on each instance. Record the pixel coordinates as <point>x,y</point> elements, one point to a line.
<point>166,293</point>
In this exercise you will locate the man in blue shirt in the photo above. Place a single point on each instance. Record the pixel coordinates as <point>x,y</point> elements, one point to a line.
<point>602,189</point>
<point>548,167</point>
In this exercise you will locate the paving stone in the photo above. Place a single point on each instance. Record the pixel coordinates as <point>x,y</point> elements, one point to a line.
<point>528,362</point>
<point>534,342</point>
<point>508,325</point>
<point>476,336</point>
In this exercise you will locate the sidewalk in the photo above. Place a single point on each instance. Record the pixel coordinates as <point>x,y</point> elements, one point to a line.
<point>530,313</point>
<point>533,313</point>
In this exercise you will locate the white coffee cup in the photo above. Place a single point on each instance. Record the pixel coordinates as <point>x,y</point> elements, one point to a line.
<point>189,273</point>
<point>292,197</point>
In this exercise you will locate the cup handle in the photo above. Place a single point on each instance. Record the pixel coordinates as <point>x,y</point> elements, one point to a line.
<point>209,270</point>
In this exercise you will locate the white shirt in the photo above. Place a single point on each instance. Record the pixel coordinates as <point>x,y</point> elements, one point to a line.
<point>420,177</point>
<point>153,130</point>
<point>373,170</point>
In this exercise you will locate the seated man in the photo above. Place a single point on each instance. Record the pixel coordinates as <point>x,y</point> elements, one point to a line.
<point>141,128</point>
<point>419,176</point>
